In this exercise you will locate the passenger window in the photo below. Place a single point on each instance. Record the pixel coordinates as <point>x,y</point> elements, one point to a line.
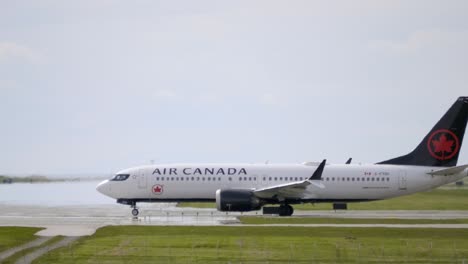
<point>255,178</point>
<point>193,179</point>
<point>157,178</point>
<point>269,178</point>
<point>264,178</point>
<point>352,179</point>
<point>281,178</point>
<point>333,178</point>
<point>276,178</point>
<point>250,178</point>
<point>219,178</point>
<point>229,178</point>
<point>240,178</point>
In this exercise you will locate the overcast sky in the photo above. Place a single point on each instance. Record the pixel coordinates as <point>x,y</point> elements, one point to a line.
<point>98,86</point>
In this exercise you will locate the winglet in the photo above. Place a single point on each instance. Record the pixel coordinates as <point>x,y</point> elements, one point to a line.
<point>349,161</point>
<point>318,172</point>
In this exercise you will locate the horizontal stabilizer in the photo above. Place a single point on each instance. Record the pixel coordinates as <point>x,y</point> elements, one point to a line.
<point>449,171</point>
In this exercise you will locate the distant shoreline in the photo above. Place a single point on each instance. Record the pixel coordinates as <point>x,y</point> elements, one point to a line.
<point>44,179</point>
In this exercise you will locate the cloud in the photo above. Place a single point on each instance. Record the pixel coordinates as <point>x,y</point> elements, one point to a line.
<point>269,99</point>
<point>420,41</point>
<point>164,94</point>
<point>208,98</point>
<point>12,51</point>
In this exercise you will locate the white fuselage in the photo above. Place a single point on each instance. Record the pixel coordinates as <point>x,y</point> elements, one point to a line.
<point>342,182</point>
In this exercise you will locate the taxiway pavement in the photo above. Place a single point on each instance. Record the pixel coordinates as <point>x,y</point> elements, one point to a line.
<point>84,220</point>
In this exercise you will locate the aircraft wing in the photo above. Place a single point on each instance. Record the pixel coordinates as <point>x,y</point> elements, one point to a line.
<point>449,171</point>
<point>288,190</point>
<point>292,190</point>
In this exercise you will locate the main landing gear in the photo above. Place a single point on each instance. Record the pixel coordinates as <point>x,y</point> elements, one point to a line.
<point>286,210</point>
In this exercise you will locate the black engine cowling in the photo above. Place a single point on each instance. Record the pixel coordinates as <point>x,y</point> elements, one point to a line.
<point>237,200</point>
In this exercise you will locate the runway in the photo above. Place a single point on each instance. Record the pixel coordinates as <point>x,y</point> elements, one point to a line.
<point>84,220</point>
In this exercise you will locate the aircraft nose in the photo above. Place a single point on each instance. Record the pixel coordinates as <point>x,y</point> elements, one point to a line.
<point>104,188</point>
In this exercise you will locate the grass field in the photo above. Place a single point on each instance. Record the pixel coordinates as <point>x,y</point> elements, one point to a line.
<point>18,255</point>
<point>15,236</point>
<point>159,244</point>
<point>262,220</point>
<point>438,199</point>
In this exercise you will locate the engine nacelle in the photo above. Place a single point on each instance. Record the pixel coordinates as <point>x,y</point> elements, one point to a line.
<point>237,200</point>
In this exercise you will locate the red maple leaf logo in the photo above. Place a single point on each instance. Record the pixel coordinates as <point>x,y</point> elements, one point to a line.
<point>157,189</point>
<point>443,144</point>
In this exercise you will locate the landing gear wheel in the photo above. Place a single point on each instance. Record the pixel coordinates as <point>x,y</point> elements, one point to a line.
<point>286,210</point>
<point>135,212</point>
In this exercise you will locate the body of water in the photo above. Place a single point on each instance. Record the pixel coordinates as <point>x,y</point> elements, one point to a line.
<point>53,194</point>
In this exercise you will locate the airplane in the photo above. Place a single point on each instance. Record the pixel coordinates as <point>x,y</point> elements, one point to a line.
<point>248,187</point>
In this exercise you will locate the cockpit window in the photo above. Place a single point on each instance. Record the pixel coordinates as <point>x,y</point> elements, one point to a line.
<point>120,177</point>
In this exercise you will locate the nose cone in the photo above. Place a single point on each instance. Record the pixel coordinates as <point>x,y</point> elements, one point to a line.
<point>104,188</point>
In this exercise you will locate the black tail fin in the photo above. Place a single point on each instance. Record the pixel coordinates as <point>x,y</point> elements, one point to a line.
<point>442,145</point>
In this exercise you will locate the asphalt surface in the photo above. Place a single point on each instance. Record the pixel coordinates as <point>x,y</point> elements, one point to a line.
<point>84,220</point>
<point>75,221</point>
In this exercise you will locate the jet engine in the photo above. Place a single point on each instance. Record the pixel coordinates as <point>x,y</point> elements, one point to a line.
<point>237,200</point>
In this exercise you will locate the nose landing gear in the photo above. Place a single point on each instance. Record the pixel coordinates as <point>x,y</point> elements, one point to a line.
<point>132,204</point>
<point>135,211</point>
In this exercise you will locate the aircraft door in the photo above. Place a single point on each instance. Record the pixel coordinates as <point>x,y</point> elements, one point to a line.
<point>142,179</point>
<point>402,180</point>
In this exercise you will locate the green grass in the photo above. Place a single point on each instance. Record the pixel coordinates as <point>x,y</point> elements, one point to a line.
<point>438,199</point>
<point>172,244</point>
<point>18,255</point>
<point>262,220</point>
<point>15,236</point>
